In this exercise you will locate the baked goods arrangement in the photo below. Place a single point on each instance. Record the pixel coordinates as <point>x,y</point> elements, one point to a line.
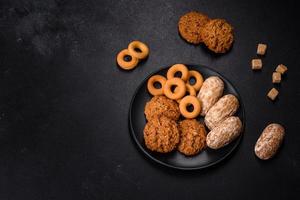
<point>190,113</point>
<point>216,34</point>
<point>174,112</point>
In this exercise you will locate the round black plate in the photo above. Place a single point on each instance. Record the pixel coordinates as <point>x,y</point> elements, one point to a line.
<point>175,159</point>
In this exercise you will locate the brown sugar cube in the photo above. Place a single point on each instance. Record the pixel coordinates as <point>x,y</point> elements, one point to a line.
<point>272,94</point>
<point>261,49</point>
<point>276,77</point>
<point>281,69</point>
<point>256,64</point>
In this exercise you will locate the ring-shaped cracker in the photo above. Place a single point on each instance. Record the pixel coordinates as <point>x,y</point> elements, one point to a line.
<point>185,102</point>
<point>126,65</point>
<point>198,77</point>
<point>138,45</point>
<point>178,68</point>
<point>179,83</point>
<point>156,79</point>
<point>190,90</point>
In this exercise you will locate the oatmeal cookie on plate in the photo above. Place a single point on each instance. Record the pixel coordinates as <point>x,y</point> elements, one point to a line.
<point>161,105</point>
<point>161,134</point>
<point>192,137</point>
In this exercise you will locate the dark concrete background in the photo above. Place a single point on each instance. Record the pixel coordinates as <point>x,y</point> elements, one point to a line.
<point>64,102</point>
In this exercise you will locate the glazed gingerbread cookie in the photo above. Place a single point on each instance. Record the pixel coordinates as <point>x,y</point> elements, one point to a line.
<point>217,35</point>
<point>190,26</point>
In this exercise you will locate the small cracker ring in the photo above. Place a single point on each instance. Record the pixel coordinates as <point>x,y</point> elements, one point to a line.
<point>198,77</point>
<point>185,102</point>
<point>190,90</point>
<point>156,79</point>
<point>179,83</point>
<point>178,68</point>
<point>138,45</point>
<point>126,65</point>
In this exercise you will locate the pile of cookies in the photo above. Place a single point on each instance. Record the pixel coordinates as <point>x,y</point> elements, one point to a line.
<point>172,125</point>
<point>216,34</point>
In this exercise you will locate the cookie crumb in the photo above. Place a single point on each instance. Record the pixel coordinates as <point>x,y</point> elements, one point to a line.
<point>261,49</point>
<point>276,77</point>
<point>273,93</point>
<point>281,69</point>
<point>256,64</point>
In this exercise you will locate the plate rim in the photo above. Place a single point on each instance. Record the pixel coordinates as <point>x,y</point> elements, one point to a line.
<point>131,130</point>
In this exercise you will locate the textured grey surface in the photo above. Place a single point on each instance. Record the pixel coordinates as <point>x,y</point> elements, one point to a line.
<point>64,102</point>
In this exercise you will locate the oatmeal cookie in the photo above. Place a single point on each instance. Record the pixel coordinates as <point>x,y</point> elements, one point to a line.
<point>161,134</point>
<point>217,35</point>
<point>161,105</point>
<point>192,137</point>
<point>190,25</point>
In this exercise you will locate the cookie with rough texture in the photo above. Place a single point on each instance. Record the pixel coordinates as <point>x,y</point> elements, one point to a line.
<point>192,137</point>
<point>161,105</point>
<point>161,134</point>
<point>190,26</point>
<point>217,35</point>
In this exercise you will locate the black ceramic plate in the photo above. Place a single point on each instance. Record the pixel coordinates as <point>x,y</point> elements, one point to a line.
<point>175,159</point>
